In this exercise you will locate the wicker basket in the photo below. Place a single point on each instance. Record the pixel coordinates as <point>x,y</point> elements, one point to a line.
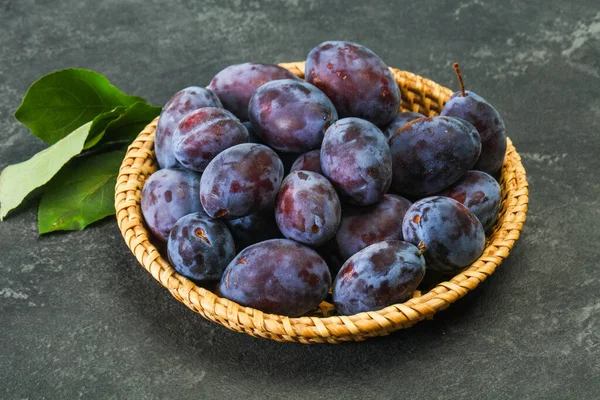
<point>418,94</point>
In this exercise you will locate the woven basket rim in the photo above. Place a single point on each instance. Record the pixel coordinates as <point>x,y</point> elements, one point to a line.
<point>419,94</point>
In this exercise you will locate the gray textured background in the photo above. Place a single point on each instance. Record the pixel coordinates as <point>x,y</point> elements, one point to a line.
<point>80,317</point>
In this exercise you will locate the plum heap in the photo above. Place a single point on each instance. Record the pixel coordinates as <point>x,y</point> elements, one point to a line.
<point>279,190</point>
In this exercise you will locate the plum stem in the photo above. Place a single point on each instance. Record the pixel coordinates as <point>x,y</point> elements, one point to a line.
<point>460,79</point>
<point>422,248</point>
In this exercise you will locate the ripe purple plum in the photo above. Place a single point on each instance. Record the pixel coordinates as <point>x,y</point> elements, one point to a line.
<point>183,102</point>
<point>200,248</point>
<point>310,161</point>
<point>364,226</point>
<point>240,181</point>
<point>307,208</point>
<point>356,158</point>
<point>485,118</point>
<point>430,154</point>
<point>168,195</point>
<point>277,276</point>
<point>453,235</point>
<point>480,193</point>
<point>236,84</point>
<point>355,79</point>
<point>378,276</point>
<point>291,115</point>
<point>204,133</point>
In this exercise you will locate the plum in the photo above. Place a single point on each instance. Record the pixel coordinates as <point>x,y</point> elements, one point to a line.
<point>363,226</point>
<point>291,115</point>
<point>356,158</point>
<point>310,161</point>
<point>182,103</point>
<point>168,195</point>
<point>453,235</point>
<point>277,276</point>
<point>204,133</point>
<point>200,248</point>
<point>236,84</point>
<point>378,276</point>
<point>355,79</point>
<point>480,193</point>
<point>430,154</point>
<point>240,181</point>
<point>485,118</point>
<point>307,208</point>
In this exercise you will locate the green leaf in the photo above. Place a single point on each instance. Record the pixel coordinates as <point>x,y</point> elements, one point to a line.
<point>129,125</point>
<point>61,101</point>
<point>121,123</point>
<point>99,125</point>
<point>83,192</point>
<point>18,180</point>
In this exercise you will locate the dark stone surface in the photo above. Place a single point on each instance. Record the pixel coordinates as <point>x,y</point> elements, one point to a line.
<point>81,318</point>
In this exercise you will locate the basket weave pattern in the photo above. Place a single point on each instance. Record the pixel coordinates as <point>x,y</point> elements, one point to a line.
<point>418,94</point>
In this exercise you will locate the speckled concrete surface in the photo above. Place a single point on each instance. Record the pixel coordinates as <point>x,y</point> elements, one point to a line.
<point>81,318</point>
